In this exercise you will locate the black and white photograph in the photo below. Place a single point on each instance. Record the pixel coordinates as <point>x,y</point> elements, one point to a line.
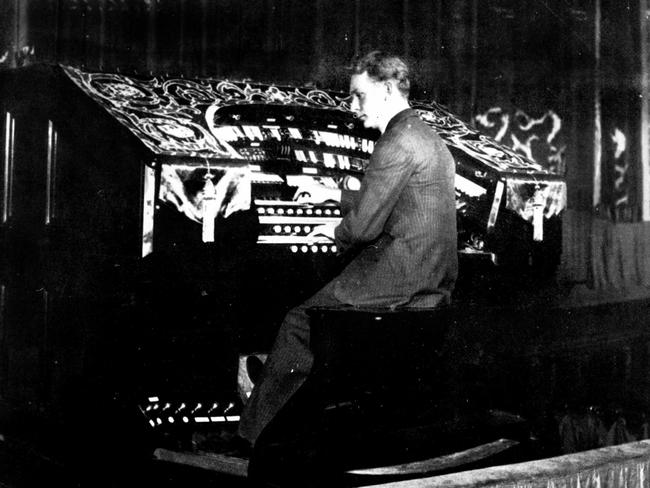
<point>324,243</point>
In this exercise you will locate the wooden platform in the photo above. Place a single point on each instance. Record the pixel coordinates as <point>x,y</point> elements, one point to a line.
<point>440,463</point>
<point>626,465</point>
<point>238,467</point>
<point>609,467</point>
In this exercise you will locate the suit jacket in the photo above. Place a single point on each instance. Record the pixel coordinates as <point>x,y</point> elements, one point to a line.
<point>401,226</point>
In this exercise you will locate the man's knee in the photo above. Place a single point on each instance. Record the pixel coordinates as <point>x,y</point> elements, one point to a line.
<point>295,323</point>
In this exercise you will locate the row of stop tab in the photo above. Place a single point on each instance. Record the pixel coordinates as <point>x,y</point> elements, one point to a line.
<point>159,413</point>
<point>235,133</point>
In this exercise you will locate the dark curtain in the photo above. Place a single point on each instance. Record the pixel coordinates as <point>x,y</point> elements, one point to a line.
<point>621,111</point>
<point>524,72</point>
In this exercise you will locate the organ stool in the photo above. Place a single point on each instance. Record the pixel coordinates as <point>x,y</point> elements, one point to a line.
<point>380,394</point>
<point>386,362</point>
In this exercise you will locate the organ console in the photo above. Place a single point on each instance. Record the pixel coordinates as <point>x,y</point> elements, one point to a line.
<point>499,192</point>
<point>160,212</point>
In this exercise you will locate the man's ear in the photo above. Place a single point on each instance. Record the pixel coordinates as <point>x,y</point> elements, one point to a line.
<point>388,87</point>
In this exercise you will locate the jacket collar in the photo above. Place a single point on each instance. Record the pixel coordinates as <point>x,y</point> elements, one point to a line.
<point>398,117</point>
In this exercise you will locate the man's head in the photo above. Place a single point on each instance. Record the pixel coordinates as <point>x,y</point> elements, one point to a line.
<point>379,87</point>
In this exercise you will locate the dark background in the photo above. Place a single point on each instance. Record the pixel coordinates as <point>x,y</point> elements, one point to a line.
<point>521,58</point>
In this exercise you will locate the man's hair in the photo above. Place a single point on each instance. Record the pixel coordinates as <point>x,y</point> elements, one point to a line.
<point>381,67</point>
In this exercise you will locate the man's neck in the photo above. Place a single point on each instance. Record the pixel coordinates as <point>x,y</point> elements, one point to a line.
<point>392,109</point>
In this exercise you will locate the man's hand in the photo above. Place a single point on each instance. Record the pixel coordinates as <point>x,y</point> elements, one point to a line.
<point>315,193</point>
<point>324,230</point>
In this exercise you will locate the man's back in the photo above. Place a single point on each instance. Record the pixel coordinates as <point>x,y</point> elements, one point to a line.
<point>404,222</point>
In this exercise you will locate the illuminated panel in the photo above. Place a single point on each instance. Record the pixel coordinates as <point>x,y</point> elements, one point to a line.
<point>51,172</point>
<point>8,166</point>
<point>496,204</point>
<point>148,209</point>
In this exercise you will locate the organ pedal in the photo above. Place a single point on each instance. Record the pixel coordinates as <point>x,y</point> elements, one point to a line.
<point>163,415</point>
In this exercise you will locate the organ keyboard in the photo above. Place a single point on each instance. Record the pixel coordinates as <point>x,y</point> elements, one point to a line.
<point>287,223</point>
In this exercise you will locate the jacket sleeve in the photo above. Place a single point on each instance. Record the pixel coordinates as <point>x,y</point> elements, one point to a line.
<point>349,199</point>
<point>386,176</point>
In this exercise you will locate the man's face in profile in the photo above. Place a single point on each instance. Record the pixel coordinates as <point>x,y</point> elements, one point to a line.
<point>368,99</point>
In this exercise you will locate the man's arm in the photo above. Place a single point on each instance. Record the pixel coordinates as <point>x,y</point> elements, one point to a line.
<point>386,176</point>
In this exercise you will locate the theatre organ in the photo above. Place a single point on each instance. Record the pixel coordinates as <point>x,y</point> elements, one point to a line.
<point>175,198</point>
<point>267,140</point>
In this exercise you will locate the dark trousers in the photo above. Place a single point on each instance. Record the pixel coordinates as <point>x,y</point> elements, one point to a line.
<point>286,368</point>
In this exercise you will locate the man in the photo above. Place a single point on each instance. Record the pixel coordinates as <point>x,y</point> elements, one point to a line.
<point>400,229</point>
